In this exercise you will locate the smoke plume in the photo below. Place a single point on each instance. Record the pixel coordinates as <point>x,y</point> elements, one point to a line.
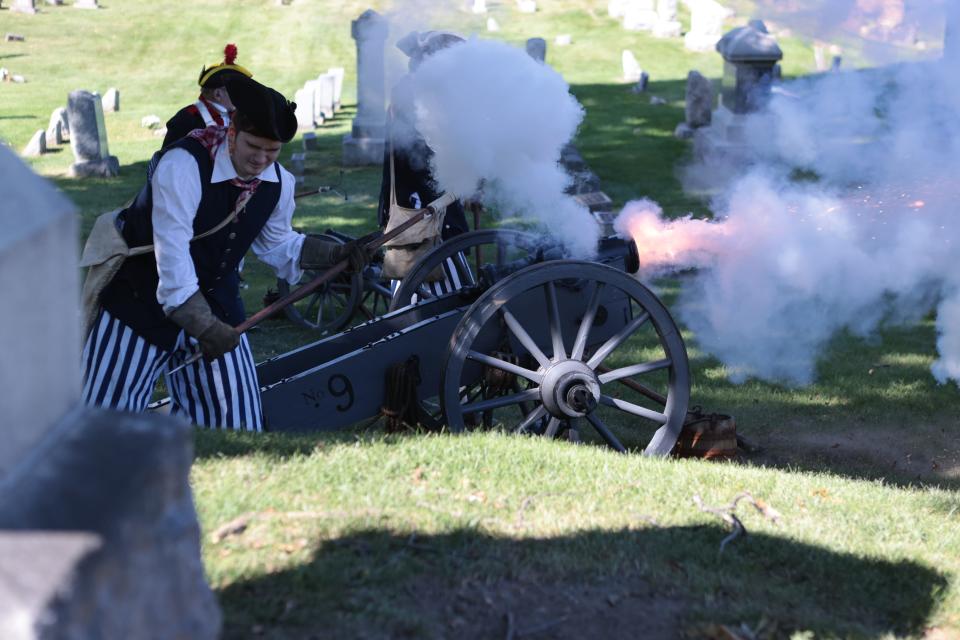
<point>491,113</point>
<point>866,234</point>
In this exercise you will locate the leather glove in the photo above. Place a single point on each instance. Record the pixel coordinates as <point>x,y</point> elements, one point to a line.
<point>195,317</point>
<point>355,254</point>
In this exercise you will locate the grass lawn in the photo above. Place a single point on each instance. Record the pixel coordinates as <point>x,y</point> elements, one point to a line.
<point>359,534</point>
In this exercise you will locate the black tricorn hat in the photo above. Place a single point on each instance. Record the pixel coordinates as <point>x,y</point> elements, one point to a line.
<point>268,113</point>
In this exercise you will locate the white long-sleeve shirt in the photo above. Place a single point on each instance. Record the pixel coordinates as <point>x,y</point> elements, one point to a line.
<point>176,197</point>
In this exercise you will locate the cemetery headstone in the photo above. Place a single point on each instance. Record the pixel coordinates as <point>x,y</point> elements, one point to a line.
<point>835,63</point>
<point>111,100</point>
<point>527,6</point>
<point>667,24</point>
<point>88,137</point>
<point>37,145</point>
<point>364,144</point>
<point>17,78</point>
<point>305,106</point>
<point>706,24</point>
<point>642,83</point>
<point>325,88</point>
<point>23,6</point>
<point>639,15</point>
<point>616,8</point>
<point>749,56</point>
<point>150,122</point>
<point>58,129</point>
<point>309,141</point>
<point>951,37</point>
<point>74,549</point>
<point>537,49</point>
<point>14,37</point>
<point>337,73</point>
<point>4,74</point>
<point>479,6</point>
<point>55,3</point>
<point>699,100</point>
<point>563,39</point>
<point>631,68</point>
<point>492,25</point>
<point>86,4</point>
<point>298,166</point>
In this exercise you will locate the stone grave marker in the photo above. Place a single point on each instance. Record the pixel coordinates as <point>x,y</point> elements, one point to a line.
<point>479,6</point>
<point>699,100</point>
<point>88,137</point>
<point>86,4</point>
<point>37,145</point>
<point>616,8</point>
<point>14,37</point>
<point>19,79</point>
<point>23,6</point>
<point>639,15</point>
<point>631,68</point>
<point>706,24</point>
<point>537,49</point>
<point>305,106</point>
<point>492,25</point>
<point>364,144</point>
<point>58,129</point>
<point>111,100</point>
<point>55,3</point>
<point>150,122</point>
<point>337,73</point>
<point>4,74</point>
<point>325,90</point>
<point>309,141</point>
<point>527,6</point>
<point>563,40</point>
<point>667,24</point>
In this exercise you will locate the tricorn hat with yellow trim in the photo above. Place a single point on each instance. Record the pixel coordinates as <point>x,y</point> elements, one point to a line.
<point>215,75</point>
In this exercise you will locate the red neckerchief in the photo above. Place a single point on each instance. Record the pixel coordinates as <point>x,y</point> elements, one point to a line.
<point>210,139</point>
<point>214,111</point>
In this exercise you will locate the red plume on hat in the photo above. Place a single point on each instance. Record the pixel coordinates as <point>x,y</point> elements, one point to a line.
<point>229,53</point>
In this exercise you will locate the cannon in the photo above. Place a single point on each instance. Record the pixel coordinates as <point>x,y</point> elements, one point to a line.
<point>529,342</point>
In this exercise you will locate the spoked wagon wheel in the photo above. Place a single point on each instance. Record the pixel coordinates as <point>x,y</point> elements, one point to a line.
<point>576,331</point>
<point>330,308</point>
<point>462,257</point>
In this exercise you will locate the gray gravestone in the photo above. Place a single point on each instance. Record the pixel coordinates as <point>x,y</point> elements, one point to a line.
<point>111,100</point>
<point>699,103</point>
<point>750,54</point>
<point>951,36</point>
<point>23,6</point>
<point>39,371</point>
<point>58,130</point>
<point>55,3</point>
<point>337,73</point>
<point>364,144</point>
<point>14,37</point>
<point>88,137</point>
<point>537,49</point>
<point>326,88</point>
<point>309,141</point>
<point>37,145</point>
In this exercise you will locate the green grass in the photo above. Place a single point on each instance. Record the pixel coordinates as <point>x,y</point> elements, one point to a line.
<point>361,535</point>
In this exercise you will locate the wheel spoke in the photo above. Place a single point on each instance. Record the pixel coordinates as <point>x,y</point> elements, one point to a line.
<point>552,428</point>
<point>617,340</point>
<point>501,401</point>
<point>633,409</point>
<point>553,311</point>
<point>637,369</point>
<point>503,365</point>
<point>584,331</point>
<point>605,433</point>
<point>521,334</point>
<point>531,418</point>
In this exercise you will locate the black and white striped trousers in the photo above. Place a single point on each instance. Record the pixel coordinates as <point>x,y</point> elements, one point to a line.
<point>121,369</point>
<point>457,274</point>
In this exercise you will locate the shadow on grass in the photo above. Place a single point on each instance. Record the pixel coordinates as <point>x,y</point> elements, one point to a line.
<point>648,582</point>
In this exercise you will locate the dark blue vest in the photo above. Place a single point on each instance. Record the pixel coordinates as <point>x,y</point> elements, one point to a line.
<point>132,295</point>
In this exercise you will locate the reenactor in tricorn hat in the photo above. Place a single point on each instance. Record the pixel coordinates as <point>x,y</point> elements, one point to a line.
<point>214,106</point>
<point>214,194</point>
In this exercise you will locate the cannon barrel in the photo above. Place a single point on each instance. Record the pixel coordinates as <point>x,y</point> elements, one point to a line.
<point>611,250</point>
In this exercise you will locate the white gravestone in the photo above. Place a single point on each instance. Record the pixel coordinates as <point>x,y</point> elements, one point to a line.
<point>527,6</point>
<point>37,145</point>
<point>616,8</point>
<point>631,68</point>
<point>364,144</point>
<point>111,100</point>
<point>706,24</point>
<point>639,15</point>
<point>88,137</point>
<point>86,4</point>
<point>305,106</point>
<point>57,131</point>
<point>492,25</point>
<point>325,89</point>
<point>23,6</point>
<point>39,286</point>
<point>479,6</point>
<point>337,73</point>
<point>667,24</point>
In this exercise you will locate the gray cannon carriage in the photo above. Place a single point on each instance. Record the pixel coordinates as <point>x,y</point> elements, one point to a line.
<point>529,342</point>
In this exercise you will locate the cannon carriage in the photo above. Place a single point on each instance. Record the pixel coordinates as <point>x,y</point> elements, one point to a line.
<point>528,342</point>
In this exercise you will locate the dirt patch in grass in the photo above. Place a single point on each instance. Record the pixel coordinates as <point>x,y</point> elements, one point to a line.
<point>924,452</point>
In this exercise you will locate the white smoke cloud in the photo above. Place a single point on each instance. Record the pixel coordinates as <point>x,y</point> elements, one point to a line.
<point>873,240</point>
<point>490,112</point>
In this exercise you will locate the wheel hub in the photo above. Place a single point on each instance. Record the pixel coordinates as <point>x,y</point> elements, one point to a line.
<point>569,389</point>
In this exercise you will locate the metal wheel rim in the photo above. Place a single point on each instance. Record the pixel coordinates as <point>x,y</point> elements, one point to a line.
<point>488,306</point>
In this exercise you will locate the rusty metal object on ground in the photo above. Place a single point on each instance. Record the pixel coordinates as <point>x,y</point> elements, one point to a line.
<point>709,436</point>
